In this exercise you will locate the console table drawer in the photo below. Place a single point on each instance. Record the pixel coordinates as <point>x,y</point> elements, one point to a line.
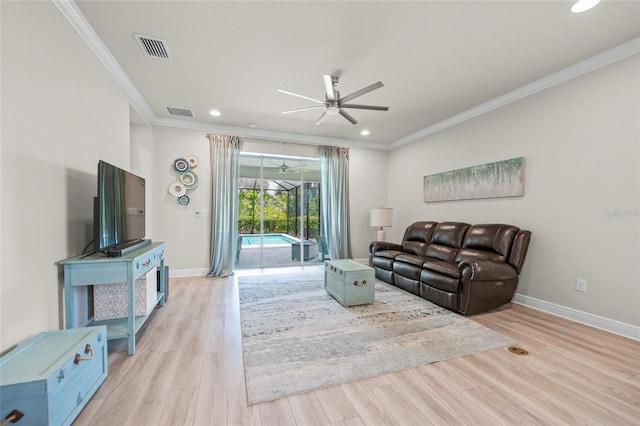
<point>52,376</point>
<point>143,263</point>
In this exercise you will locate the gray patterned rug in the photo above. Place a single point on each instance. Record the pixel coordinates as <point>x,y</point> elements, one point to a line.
<point>297,338</point>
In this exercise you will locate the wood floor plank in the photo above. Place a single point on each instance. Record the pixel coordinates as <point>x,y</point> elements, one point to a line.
<point>405,411</point>
<point>277,413</point>
<point>307,410</point>
<point>336,404</point>
<point>369,407</point>
<point>188,369</point>
<point>447,401</point>
<point>417,391</point>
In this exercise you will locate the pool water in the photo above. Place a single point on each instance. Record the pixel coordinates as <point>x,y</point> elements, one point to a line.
<point>269,240</point>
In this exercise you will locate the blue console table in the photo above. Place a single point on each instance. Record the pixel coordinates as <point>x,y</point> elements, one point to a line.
<point>97,269</point>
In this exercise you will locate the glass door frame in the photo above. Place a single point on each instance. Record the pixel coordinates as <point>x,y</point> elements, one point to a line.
<point>300,162</point>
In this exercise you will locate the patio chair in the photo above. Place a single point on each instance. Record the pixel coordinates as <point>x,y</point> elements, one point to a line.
<point>323,249</point>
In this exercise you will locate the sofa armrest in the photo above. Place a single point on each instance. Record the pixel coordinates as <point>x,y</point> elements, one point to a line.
<point>383,245</point>
<point>486,270</point>
<point>485,285</point>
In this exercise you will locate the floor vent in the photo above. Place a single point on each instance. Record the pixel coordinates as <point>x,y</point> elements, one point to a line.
<point>182,112</point>
<point>153,47</point>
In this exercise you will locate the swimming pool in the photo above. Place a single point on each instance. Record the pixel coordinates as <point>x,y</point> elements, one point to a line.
<point>272,240</point>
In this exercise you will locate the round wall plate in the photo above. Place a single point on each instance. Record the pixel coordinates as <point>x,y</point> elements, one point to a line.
<point>188,179</point>
<point>181,165</point>
<point>177,189</point>
<point>193,161</point>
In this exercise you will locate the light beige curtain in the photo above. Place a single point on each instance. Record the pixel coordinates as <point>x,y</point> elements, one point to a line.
<point>334,169</point>
<point>225,153</point>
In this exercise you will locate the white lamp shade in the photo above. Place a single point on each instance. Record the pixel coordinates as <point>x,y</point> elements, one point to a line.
<point>381,217</point>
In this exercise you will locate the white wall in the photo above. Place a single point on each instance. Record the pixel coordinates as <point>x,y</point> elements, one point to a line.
<point>61,112</point>
<point>187,236</point>
<point>581,143</point>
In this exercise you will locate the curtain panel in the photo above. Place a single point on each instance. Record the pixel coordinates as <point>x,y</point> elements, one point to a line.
<point>334,169</point>
<point>225,153</point>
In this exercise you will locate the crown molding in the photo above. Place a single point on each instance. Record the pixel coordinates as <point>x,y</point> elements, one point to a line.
<point>70,10</point>
<point>77,20</point>
<point>269,135</point>
<point>607,57</point>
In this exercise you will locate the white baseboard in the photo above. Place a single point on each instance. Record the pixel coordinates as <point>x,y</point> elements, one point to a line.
<point>595,321</point>
<point>178,273</point>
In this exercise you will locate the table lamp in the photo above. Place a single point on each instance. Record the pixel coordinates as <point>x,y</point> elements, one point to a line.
<point>381,218</point>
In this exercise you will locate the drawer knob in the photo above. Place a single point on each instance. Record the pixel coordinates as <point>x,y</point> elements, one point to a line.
<point>357,284</point>
<point>60,375</point>
<point>87,350</point>
<point>12,417</point>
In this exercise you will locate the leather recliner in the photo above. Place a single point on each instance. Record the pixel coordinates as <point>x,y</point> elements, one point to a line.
<point>465,268</point>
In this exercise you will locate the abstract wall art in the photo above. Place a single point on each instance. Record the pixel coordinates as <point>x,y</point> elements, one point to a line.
<point>500,179</point>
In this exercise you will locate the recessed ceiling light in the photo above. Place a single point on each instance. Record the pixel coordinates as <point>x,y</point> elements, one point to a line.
<point>583,5</point>
<point>365,132</point>
<point>251,125</point>
<point>215,113</point>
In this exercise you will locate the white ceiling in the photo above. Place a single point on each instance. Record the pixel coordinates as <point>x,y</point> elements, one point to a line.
<point>437,59</point>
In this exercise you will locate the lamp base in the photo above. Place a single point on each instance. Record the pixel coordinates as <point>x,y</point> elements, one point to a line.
<point>380,234</point>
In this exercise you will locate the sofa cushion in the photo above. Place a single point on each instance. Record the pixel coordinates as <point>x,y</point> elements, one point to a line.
<point>494,238</point>
<point>411,259</point>
<point>419,231</point>
<point>446,268</point>
<point>446,240</point>
<point>389,254</point>
<point>414,247</point>
<point>382,263</point>
<point>407,270</point>
<point>439,281</point>
<point>468,254</point>
<point>417,236</point>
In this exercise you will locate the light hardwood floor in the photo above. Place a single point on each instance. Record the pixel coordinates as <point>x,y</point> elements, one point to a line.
<point>188,371</point>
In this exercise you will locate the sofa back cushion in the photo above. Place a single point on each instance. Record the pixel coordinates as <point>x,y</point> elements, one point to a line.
<point>446,240</point>
<point>490,242</point>
<point>417,236</point>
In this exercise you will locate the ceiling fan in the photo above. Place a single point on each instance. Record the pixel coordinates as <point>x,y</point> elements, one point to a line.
<point>284,168</point>
<point>333,103</point>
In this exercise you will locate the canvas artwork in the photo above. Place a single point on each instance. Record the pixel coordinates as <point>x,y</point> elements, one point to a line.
<point>500,179</point>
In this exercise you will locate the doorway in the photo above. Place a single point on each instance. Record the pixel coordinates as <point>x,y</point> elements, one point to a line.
<point>279,207</point>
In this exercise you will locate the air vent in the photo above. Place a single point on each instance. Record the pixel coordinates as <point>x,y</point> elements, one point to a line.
<point>153,47</point>
<point>182,112</point>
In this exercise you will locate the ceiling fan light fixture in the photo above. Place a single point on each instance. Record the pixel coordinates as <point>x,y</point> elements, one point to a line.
<point>332,110</point>
<point>583,5</point>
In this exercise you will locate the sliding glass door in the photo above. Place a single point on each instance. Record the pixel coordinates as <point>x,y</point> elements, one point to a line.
<point>279,212</point>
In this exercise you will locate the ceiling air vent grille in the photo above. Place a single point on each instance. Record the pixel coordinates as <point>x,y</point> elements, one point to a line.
<point>153,47</point>
<point>182,112</point>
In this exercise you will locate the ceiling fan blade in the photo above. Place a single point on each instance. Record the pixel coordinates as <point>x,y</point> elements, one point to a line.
<point>301,109</point>
<point>376,108</point>
<point>348,117</point>
<point>321,118</point>
<point>300,96</point>
<point>328,87</point>
<point>361,92</point>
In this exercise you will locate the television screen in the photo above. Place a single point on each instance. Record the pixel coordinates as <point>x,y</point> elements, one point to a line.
<point>119,212</point>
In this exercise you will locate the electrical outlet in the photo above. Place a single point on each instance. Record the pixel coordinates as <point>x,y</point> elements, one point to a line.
<point>581,285</point>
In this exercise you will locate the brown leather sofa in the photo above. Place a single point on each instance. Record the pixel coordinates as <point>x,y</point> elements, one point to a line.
<point>462,267</point>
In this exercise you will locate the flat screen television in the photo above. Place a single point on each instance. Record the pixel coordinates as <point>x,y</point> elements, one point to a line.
<point>119,210</point>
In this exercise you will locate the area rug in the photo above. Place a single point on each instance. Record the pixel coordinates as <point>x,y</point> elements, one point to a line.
<point>297,338</point>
